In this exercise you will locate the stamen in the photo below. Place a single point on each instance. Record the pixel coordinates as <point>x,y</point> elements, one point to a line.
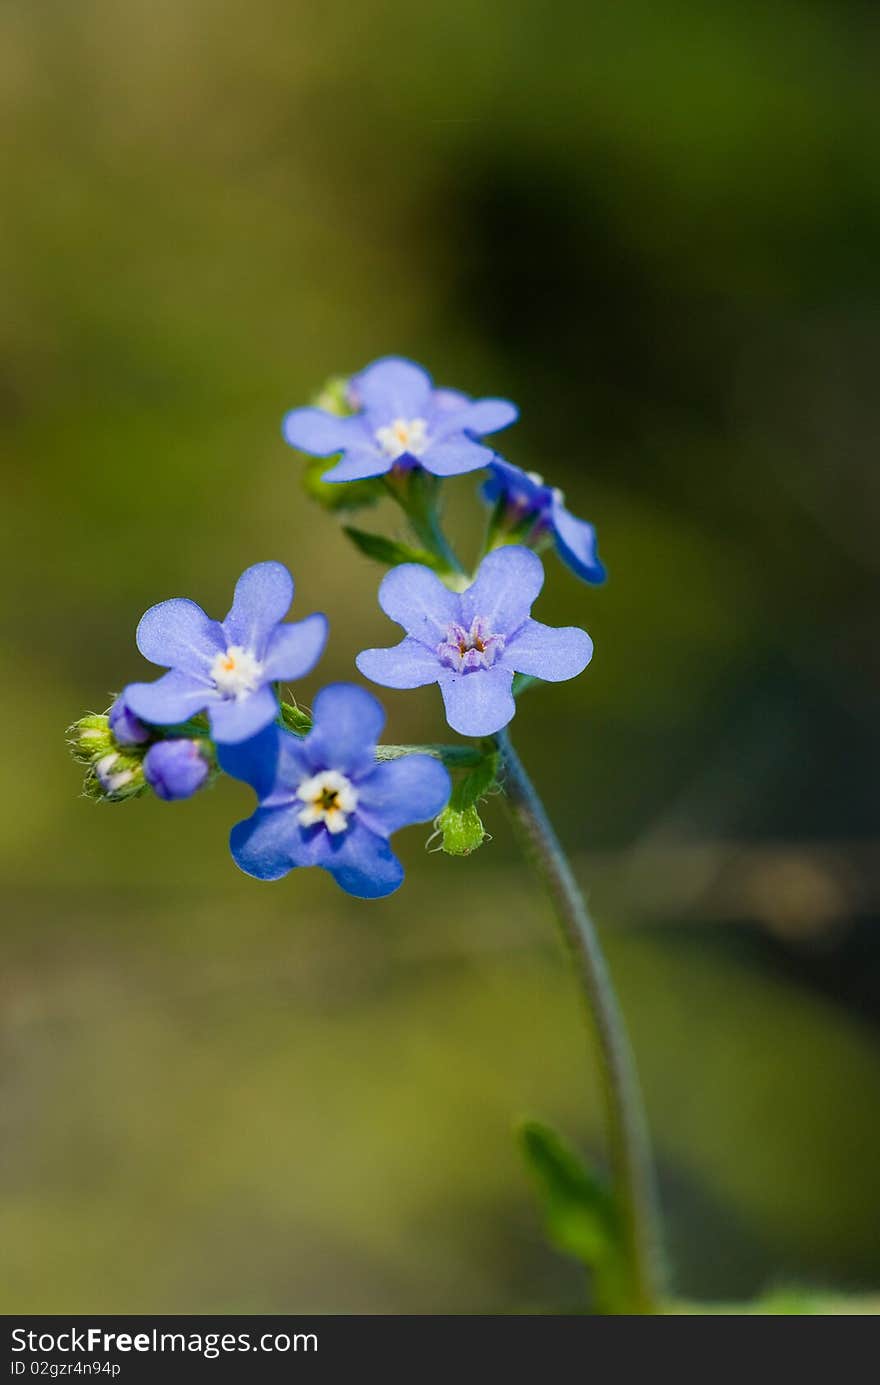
<point>236,672</point>
<point>467,650</point>
<point>329,798</point>
<point>403,436</point>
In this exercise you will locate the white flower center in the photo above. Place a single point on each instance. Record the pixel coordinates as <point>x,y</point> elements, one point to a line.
<point>403,435</point>
<point>236,672</point>
<point>329,798</point>
<point>535,477</point>
<point>466,650</point>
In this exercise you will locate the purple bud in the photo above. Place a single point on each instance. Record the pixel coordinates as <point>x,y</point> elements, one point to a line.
<point>126,728</point>
<point>175,768</point>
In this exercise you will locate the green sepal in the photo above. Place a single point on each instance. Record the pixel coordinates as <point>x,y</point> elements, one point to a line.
<point>460,824</point>
<point>581,1216</point>
<point>295,719</point>
<point>90,738</point>
<point>462,830</point>
<point>126,777</point>
<point>389,551</point>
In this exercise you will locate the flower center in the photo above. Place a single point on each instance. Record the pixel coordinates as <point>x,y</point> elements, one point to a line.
<point>465,650</point>
<point>403,435</point>
<point>329,798</point>
<point>236,672</point>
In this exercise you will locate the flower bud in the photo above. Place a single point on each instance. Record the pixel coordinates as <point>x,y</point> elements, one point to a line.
<point>115,776</point>
<point>334,397</point>
<point>90,738</point>
<point>126,727</point>
<point>176,768</point>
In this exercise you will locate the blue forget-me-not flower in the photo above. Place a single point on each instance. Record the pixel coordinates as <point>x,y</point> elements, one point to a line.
<point>401,421</point>
<point>226,668</point>
<point>473,642</point>
<point>324,800</point>
<point>532,511</point>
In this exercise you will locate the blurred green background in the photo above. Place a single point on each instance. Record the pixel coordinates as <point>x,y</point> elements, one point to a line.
<point>656,227</point>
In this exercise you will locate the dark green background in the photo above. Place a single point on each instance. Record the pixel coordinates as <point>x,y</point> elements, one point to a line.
<point>656,227</point>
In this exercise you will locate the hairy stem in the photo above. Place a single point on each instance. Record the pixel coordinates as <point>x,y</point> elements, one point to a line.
<point>629,1146</point>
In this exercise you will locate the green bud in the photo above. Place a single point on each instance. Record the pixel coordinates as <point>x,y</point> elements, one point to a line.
<point>90,738</point>
<point>460,823</point>
<point>116,776</point>
<point>333,397</point>
<point>295,719</point>
<point>462,831</point>
<point>339,495</point>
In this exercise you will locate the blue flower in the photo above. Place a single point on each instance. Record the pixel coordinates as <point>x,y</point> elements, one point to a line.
<point>176,768</point>
<point>472,643</point>
<point>325,801</point>
<point>227,668</point>
<point>532,511</point>
<point>402,421</point>
<point>126,727</point>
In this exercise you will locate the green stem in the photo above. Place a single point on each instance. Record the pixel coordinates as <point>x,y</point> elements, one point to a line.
<point>454,756</point>
<point>629,1145</point>
<point>416,494</point>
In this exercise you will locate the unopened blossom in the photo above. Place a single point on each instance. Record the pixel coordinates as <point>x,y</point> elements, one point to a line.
<point>534,511</point>
<point>226,668</point>
<point>400,421</point>
<point>176,768</point>
<point>126,727</point>
<point>473,642</point>
<point>325,801</point>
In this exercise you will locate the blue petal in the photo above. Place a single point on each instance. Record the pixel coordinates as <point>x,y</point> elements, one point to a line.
<point>347,724</point>
<point>238,718</point>
<point>263,594</point>
<point>455,456</point>
<point>445,401</point>
<point>478,703</point>
<point>415,598</point>
<point>392,388</point>
<point>178,634</point>
<point>508,581</point>
<point>256,761</point>
<point>271,842</point>
<point>294,649</point>
<point>409,664</point>
<point>321,434</point>
<point>507,479</point>
<point>477,418</point>
<point>363,864</point>
<point>173,698</point>
<point>358,464</point>
<point>414,788</point>
<point>576,544</point>
<point>548,653</point>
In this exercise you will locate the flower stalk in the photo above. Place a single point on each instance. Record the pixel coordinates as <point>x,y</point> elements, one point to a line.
<point>629,1144</point>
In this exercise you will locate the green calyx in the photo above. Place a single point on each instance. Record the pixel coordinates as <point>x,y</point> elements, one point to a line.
<point>460,825</point>
<point>90,738</point>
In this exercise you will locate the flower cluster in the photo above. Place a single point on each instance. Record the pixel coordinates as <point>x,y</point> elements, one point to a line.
<point>328,794</point>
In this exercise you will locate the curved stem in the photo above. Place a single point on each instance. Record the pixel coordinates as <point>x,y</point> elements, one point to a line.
<point>630,1153</point>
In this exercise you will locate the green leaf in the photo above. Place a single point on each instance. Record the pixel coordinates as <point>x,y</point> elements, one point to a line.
<point>295,719</point>
<point>579,1209</point>
<point>389,551</point>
